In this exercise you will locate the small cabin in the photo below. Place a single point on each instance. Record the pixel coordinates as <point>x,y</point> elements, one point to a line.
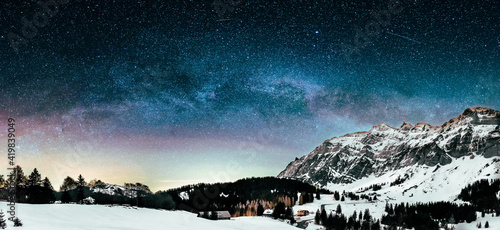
<point>302,213</point>
<point>221,215</point>
<point>268,213</point>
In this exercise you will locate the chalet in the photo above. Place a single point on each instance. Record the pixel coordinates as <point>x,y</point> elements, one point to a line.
<point>268,213</point>
<point>221,215</point>
<point>302,213</point>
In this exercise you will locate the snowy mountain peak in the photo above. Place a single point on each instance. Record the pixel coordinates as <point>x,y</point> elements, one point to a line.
<point>381,128</point>
<point>383,148</point>
<point>476,116</point>
<point>482,110</point>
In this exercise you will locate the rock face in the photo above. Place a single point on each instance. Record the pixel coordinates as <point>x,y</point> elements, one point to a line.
<point>383,148</point>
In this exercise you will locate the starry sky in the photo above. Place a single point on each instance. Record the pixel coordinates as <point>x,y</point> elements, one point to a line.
<point>169,93</point>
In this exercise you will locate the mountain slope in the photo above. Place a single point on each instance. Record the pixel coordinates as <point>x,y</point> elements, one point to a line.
<point>384,150</point>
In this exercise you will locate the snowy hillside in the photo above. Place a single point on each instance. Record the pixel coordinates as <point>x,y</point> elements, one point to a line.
<point>76,217</point>
<point>113,190</point>
<point>376,210</point>
<point>384,151</point>
<point>424,183</point>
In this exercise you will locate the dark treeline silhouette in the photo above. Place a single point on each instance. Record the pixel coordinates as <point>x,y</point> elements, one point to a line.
<point>35,190</point>
<point>482,194</point>
<point>337,220</point>
<point>353,196</point>
<point>427,215</point>
<point>400,180</point>
<point>243,197</point>
<point>283,212</point>
<point>141,199</point>
<point>135,194</point>
<point>28,189</point>
<point>374,187</point>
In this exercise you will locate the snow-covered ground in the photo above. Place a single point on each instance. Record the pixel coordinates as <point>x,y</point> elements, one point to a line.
<point>493,221</point>
<point>424,183</point>
<point>348,207</point>
<point>376,210</point>
<point>100,217</point>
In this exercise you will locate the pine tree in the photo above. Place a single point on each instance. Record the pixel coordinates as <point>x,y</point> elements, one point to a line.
<point>323,216</point>
<point>80,181</point>
<point>35,179</point>
<point>478,225</point>
<point>68,184</point>
<point>3,223</point>
<point>46,183</point>
<point>336,195</point>
<point>339,209</point>
<point>17,222</point>
<point>80,185</point>
<point>317,218</point>
<point>342,198</point>
<point>278,210</point>
<point>329,221</point>
<point>20,177</point>
<point>367,216</point>
<point>486,225</point>
<point>260,210</point>
<point>16,178</point>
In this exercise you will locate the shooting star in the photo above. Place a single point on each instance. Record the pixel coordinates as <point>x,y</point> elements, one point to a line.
<point>401,36</point>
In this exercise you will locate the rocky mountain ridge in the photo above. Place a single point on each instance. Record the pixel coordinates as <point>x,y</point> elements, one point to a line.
<point>383,148</point>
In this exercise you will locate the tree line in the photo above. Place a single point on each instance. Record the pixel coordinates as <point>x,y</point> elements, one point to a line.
<point>429,215</point>
<point>337,220</point>
<point>483,194</point>
<point>243,197</point>
<point>35,190</point>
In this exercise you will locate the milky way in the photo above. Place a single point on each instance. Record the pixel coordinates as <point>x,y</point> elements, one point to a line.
<point>178,92</point>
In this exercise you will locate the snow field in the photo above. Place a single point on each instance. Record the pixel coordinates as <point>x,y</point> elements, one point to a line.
<point>100,217</point>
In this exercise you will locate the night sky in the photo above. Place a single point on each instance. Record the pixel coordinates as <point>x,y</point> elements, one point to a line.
<point>169,93</point>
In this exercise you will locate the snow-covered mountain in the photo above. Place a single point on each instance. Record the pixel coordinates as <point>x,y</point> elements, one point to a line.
<point>418,152</point>
<point>117,190</point>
